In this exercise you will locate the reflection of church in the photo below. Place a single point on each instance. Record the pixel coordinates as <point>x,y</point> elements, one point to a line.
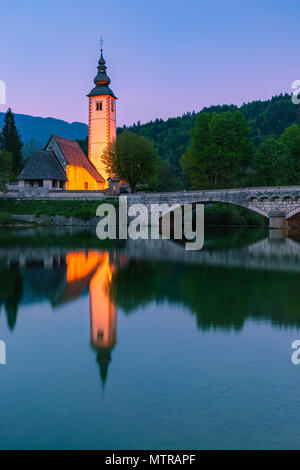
<point>64,275</point>
<point>95,268</point>
<point>103,315</point>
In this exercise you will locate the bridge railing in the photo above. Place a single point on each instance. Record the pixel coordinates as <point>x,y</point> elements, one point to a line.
<point>247,189</point>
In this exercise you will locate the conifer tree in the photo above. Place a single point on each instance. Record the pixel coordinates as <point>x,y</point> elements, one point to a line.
<point>10,141</point>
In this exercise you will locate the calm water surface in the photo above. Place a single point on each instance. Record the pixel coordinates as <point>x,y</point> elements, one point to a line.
<point>142,345</point>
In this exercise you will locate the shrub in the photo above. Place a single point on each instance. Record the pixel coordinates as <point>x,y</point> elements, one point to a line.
<point>5,218</point>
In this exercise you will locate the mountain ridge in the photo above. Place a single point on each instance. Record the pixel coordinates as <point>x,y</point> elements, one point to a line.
<point>41,128</point>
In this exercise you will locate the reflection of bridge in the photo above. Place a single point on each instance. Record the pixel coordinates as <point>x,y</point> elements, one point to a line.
<point>278,254</point>
<point>269,254</point>
<point>281,204</point>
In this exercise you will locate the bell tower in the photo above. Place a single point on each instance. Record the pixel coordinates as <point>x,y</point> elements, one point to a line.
<point>102,117</point>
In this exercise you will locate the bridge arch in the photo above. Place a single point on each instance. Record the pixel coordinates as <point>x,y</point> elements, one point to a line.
<point>275,198</point>
<point>246,205</point>
<point>293,212</point>
<point>264,198</point>
<point>252,199</point>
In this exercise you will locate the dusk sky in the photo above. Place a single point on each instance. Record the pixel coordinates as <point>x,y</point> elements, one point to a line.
<point>164,57</point>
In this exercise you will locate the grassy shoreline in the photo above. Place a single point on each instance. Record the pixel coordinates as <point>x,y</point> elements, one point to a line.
<point>219,214</point>
<point>83,210</point>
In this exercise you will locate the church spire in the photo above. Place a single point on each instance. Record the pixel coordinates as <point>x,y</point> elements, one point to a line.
<point>101,80</point>
<point>101,77</point>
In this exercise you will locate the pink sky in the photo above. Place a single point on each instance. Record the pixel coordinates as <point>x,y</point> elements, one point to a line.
<point>164,57</point>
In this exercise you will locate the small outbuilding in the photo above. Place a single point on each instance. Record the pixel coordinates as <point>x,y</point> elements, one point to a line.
<point>42,171</point>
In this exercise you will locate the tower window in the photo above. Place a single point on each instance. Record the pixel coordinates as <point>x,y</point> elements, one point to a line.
<point>112,106</point>
<point>99,106</point>
<point>86,185</point>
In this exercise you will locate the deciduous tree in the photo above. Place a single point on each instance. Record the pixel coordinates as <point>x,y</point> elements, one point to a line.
<point>219,152</point>
<point>291,137</point>
<point>131,158</point>
<point>273,164</point>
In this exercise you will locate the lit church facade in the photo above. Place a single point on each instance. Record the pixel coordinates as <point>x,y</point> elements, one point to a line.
<point>62,165</point>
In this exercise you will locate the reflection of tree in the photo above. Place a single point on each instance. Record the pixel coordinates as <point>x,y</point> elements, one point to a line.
<point>220,297</point>
<point>229,238</point>
<point>216,296</point>
<point>141,282</point>
<point>10,292</point>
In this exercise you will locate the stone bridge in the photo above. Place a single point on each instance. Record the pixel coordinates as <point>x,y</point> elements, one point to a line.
<point>280,204</point>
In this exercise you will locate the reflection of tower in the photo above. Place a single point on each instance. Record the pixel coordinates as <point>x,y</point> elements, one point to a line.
<point>103,315</point>
<point>94,268</point>
<point>78,270</point>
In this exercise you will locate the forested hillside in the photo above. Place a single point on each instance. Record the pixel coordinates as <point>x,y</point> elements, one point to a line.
<point>265,119</point>
<point>172,137</point>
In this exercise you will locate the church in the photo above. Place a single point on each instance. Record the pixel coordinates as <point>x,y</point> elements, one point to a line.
<point>62,165</point>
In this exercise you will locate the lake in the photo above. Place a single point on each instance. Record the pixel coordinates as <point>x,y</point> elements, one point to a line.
<point>144,345</point>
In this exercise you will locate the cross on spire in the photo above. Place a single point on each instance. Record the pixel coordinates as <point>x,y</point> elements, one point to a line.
<point>101,43</point>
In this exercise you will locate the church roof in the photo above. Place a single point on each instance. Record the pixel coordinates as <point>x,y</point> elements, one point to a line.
<point>100,90</point>
<point>43,165</point>
<point>75,156</point>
